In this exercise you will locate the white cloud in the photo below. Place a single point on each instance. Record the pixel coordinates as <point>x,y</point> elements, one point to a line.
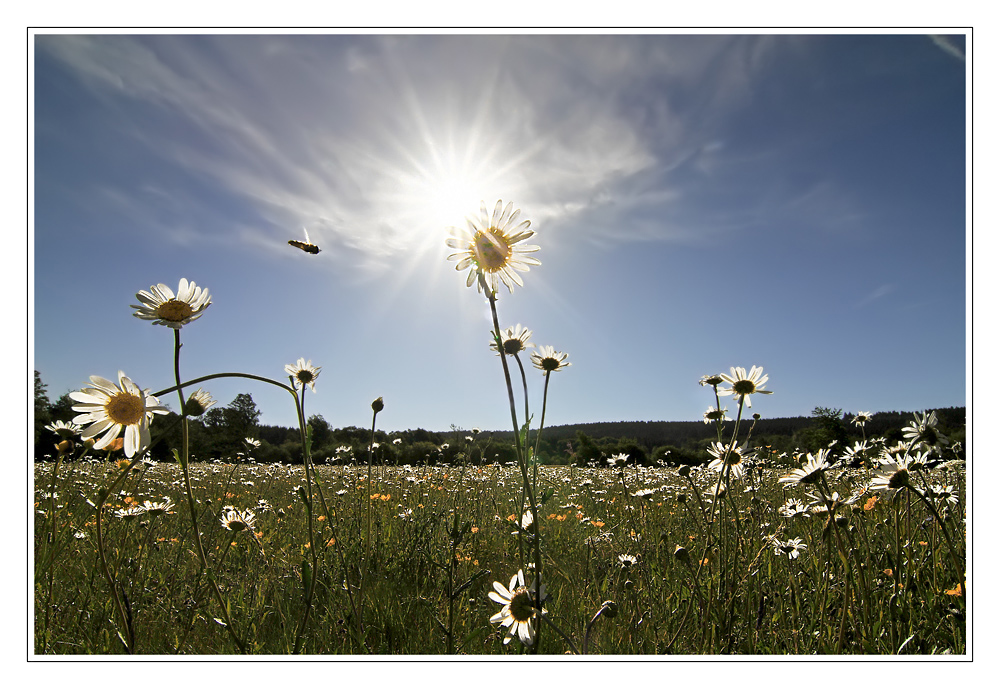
<point>344,135</point>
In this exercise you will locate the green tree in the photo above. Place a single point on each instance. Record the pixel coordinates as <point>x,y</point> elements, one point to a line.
<point>42,414</point>
<point>322,431</point>
<point>827,426</point>
<point>228,426</point>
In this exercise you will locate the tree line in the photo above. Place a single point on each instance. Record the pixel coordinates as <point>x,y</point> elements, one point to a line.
<point>222,433</point>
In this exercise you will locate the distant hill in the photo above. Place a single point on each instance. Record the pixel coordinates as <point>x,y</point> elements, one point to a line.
<point>689,433</point>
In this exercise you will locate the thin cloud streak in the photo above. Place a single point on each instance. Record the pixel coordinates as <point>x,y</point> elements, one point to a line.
<point>306,156</point>
<point>876,294</point>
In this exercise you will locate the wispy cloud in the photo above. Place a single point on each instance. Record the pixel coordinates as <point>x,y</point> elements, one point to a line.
<point>349,135</point>
<point>945,43</point>
<point>876,294</point>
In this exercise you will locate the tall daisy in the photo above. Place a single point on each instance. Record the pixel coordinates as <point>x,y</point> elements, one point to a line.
<point>304,373</point>
<point>489,247</point>
<point>811,471</point>
<point>923,431</point>
<point>163,308</point>
<point>109,408</point>
<point>518,613</point>
<point>547,359</point>
<point>892,472</point>
<point>743,384</point>
<point>237,520</point>
<point>63,429</point>
<point>513,340</point>
<point>727,454</point>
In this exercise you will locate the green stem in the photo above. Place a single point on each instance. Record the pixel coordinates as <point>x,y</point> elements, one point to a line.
<point>203,558</point>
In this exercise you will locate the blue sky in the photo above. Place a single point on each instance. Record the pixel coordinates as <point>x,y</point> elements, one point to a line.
<point>789,201</point>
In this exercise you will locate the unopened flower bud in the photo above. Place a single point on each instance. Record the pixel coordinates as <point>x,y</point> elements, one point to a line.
<point>378,405</point>
<point>681,553</point>
<point>610,609</point>
<point>64,446</point>
<point>684,470</point>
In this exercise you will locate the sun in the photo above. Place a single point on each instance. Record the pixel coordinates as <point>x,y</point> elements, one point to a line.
<point>449,195</point>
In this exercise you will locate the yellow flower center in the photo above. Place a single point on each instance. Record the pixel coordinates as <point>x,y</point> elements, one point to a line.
<point>521,608</point>
<point>304,377</point>
<point>125,409</point>
<point>174,310</point>
<point>513,346</point>
<point>744,387</point>
<point>899,479</point>
<point>550,363</point>
<point>492,250</point>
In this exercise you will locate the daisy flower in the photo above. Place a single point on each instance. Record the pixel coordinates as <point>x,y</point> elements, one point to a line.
<point>792,547</point>
<point>513,340</point>
<point>129,513</point>
<point>547,359</point>
<point>923,430</point>
<point>727,455</point>
<point>237,520</point>
<point>892,473</point>
<point>627,561</point>
<point>489,247</point>
<point>155,509</point>
<point>743,384</point>
<point>198,403</point>
<point>620,459</point>
<point>945,493</point>
<point>862,417</point>
<point>163,308</point>
<point>63,429</point>
<point>811,471</point>
<point>109,408</point>
<point>712,380</point>
<point>518,613</point>
<point>304,373</point>
<point>793,507</point>
<point>714,414</point>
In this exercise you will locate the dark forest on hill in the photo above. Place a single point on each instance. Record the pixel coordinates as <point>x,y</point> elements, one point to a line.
<point>221,433</point>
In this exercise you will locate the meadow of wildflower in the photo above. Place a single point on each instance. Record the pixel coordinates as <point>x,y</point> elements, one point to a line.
<point>844,550</point>
<point>441,535</point>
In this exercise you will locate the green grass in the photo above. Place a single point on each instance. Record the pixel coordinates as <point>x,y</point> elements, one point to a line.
<point>886,586</point>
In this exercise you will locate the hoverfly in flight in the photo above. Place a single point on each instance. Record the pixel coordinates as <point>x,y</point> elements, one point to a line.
<point>306,246</point>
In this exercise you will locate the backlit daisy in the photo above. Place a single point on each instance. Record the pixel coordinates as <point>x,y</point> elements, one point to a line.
<point>513,340</point>
<point>518,613</point>
<point>198,403</point>
<point>811,471</point>
<point>923,430</point>
<point>304,373</point>
<point>163,308</point>
<point>792,547</point>
<point>547,359</point>
<point>63,429</point>
<point>155,509</point>
<point>793,507</point>
<point>892,473</point>
<point>945,493</point>
<point>110,408</point>
<point>715,414</point>
<point>727,455</point>
<point>237,520</point>
<point>488,247</point>
<point>862,417</point>
<point>743,384</point>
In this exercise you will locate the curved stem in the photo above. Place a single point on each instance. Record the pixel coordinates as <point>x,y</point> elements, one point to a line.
<point>212,376</point>
<point>203,558</point>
